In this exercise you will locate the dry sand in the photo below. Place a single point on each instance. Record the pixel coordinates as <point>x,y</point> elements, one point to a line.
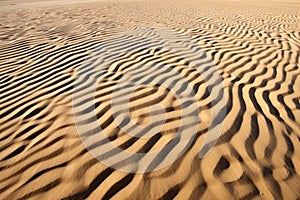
<point>255,46</point>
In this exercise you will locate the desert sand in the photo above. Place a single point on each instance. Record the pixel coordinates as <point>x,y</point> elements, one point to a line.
<point>253,45</point>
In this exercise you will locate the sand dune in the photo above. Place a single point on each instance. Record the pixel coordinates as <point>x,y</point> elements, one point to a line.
<point>48,47</point>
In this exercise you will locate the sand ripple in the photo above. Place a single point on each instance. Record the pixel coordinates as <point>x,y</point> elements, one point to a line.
<point>255,49</point>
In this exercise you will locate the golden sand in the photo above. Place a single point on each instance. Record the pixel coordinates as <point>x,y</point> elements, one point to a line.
<point>255,46</point>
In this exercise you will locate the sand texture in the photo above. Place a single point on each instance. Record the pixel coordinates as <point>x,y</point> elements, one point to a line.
<point>46,47</point>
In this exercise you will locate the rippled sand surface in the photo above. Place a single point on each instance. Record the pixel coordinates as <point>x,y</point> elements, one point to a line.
<point>254,45</point>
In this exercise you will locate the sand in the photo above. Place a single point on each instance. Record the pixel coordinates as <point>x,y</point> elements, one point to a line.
<point>254,47</point>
